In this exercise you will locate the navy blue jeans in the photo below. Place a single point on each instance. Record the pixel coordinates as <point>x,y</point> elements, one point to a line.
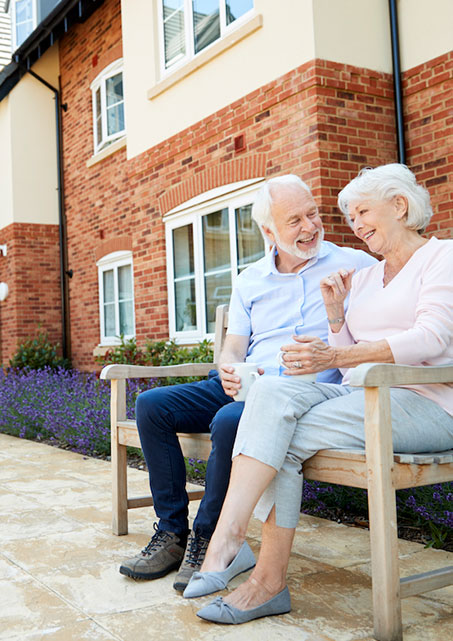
<point>189,408</point>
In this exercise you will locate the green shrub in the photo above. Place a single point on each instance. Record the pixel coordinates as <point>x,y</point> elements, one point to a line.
<point>37,353</point>
<point>158,353</point>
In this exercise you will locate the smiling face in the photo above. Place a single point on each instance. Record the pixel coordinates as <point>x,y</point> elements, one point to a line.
<point>380,224</point>
<point>297,228</point>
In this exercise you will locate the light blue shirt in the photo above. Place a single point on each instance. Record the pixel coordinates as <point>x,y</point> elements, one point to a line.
<point>267,304</point>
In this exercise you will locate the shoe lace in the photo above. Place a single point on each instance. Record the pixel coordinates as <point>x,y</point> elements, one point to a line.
<point>196,550</point>
<point>157,540</point>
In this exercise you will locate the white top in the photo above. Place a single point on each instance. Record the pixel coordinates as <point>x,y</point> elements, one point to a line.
<point>414,313</point>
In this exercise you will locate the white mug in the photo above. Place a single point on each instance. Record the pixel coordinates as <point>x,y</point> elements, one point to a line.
<point>248,373</point>
<point>308,378</point>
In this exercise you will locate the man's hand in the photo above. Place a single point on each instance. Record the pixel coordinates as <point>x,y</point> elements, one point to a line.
<point>307,356</point>
<point>231,383</point>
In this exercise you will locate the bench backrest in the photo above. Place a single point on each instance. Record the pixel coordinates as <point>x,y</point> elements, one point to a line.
<point>221,325</point>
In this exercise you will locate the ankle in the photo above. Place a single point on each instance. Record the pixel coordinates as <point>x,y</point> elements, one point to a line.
<point>271,583</point>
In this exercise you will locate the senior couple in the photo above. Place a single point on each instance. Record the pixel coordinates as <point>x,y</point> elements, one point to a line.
<point>400,310</point>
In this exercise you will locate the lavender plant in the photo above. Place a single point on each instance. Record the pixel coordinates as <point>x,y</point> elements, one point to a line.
<point>426,510</point>
<point>67,407</point>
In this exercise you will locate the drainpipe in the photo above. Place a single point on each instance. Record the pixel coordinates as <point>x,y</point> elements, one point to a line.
<point>399,114</point>
<point>66,347</point>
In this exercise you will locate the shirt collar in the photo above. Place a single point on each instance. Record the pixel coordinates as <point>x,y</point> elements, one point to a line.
<point>269,266</point>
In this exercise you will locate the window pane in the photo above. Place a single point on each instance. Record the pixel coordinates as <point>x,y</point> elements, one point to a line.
<point>24,20</point>
<point>98,116</point>
<point>185,306</point>
<point>109,319</point>
<point>174,33</point>
<point>45,7</point>
<point>206,23</point>
<point>125,282</point>
<point>114,89</point>
<point>126,317</point>
<point>250,243</point>
<point>115,119</point>
<point>218,292</point>
<point>216,240</point>
<point>183,251</point>
<point>236,8</point>
<point>109,293</point>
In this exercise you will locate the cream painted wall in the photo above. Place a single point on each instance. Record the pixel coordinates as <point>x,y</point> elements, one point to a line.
<point>32,152</point>
<point>426,30</point>
<point>354,32</point>
<point>6,192</point>
<point>357,32</point>
<point>285,41</point>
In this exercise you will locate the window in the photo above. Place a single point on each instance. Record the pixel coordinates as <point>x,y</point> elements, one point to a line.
<point>208,245</point>
<point>116,297</point>
<point>108,106</point>
<point>26,16</point>
<point>188,26</point>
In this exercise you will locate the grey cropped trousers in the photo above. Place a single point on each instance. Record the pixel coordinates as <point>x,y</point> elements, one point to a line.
<point>286,421</point>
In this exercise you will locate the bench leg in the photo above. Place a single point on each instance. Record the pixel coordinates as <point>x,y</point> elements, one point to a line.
<point>382,515</point>
<point>385,571</point>
<point>119,490</point>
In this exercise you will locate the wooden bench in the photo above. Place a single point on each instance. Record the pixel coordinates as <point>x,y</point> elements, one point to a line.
<point>376,469</point>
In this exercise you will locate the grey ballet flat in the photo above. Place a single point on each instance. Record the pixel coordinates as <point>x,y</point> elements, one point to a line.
<point>220,612</point>
<point>203,583</point>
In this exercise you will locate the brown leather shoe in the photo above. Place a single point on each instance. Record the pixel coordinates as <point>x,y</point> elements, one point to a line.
<point>163,554</point>
<point>194,557</point>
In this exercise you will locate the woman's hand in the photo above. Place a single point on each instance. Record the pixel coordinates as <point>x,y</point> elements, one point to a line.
<point>335,287</point>
<point>308,355</point>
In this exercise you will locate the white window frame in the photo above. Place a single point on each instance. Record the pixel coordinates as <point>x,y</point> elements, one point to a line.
<point>230,196</point>
<point>189,34</point>
<point>100,83</point>
<point>109,262</point>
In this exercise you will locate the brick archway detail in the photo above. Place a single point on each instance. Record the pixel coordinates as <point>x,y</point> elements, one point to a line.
<point>121,243</point>
<point>222,174</point>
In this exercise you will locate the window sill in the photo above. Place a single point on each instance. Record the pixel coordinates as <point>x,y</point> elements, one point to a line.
<point>108,151</point>
<point>203,58</point>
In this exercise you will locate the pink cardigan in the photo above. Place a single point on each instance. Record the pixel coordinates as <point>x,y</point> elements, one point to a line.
<point>414,313</point>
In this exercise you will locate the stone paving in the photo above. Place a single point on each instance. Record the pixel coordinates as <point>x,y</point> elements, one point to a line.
<point>59,561</point>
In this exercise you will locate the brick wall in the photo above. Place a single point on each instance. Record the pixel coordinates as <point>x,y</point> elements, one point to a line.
<point>428,109</point>
<point>31,270</point>
<point>323,121</point>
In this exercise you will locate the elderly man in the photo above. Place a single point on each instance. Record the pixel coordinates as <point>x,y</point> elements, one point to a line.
<point>272,300</point>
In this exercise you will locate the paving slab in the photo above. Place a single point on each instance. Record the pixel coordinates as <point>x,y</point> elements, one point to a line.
<point>59,560</point>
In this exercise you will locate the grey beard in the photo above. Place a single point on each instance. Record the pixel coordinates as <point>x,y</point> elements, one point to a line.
<point>294,250</point>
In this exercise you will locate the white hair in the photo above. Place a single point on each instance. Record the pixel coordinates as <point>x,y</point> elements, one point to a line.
<point>384,183</point>
<point>262,207</point>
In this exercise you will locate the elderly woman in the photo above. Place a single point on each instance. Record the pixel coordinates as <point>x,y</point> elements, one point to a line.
<point>400,311</point>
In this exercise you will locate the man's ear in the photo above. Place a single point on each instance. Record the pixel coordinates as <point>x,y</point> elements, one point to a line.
<point>269,234</point>
<point>401,206</point>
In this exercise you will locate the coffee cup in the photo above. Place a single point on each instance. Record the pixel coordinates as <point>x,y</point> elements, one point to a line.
<point>248,373</point>
<point>308,378</point>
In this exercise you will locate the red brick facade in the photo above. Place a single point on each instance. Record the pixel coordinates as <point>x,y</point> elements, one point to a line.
<point>323,121</point>
<point>428,100</point>
<point>31,270</point>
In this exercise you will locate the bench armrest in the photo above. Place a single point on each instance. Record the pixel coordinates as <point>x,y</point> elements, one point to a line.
<point>118,372</point>
<point>389,374</point>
